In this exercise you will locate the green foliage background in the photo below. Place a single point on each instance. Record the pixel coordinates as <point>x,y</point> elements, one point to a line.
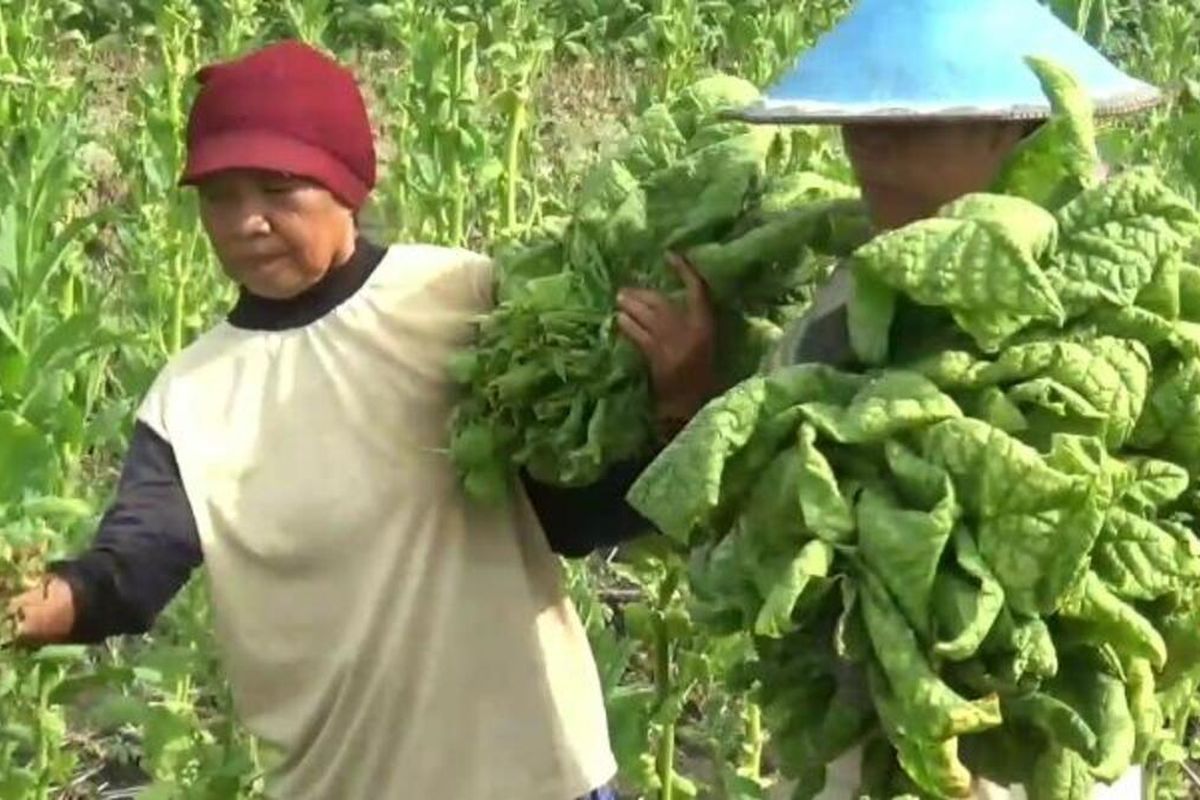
<point>487,114</point>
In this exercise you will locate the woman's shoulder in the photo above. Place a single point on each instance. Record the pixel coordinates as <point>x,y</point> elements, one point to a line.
<point>412,267</point>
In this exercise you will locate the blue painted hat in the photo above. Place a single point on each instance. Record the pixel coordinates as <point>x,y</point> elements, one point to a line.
<point>908,60</point>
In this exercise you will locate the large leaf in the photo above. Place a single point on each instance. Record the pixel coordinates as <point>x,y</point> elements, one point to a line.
<point>983,268</point>
<point>1171,422</point>
<point>996,474</point>
<point>1100,616</point>
<point>967,601</point>
<point>681,488</point>
<point>1038,557</point>
<point>1141,560</point>
<point>894,402</point>
<point>1101,702</point>
<point>1111,375</point>
<point>812,561</point>
<point>1114,236</point>
<point>932,764</point>
<point>930,709</point>
<point>1061,774</point>
<point>825,511</point>
<point>904,547</point>
<point>1061,158</point>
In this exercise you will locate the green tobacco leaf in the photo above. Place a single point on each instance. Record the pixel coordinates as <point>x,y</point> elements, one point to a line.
<point>872,307</point>
<point>1038,557</point>
<point>813,561</point>
<point>1180,628</point>
<point>1113,238</point>
<point>655,144</point>
<point>1140,560</point>
<point>771,515</point>
<point>920,482</point>
<point>1058,720</point>
<point>1101,617</point>
<point>1101,701</point>
<point>1189,292</point>
<point>824,509</point>
<point>689,200</point>
<point>932,764</point>
<point>983,269</point>
<point>681,488</point>
<point>929,709</point>
<point>1112,375</point>
<point>1061,774</point>
<point>778,245</point>
<point>904,547</point>
<point>1061,159</point>
<point>1153,484</point>
<point>1037,228</point>
<point>891,403</point>
<point>701,102</point>
<point>996,474</point>
<point>966,605</point>
<point>804,383</point>
<point>1022,648</point>
<point>952,369</point>
<point>1171,422</point>
<point>1148,720</point>
<point>27,452</point>
<point>1161,295</point>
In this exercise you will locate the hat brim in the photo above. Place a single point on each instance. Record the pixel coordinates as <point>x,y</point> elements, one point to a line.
<point>772,112</point>
<point>264,150</point>
<point>942,60</point>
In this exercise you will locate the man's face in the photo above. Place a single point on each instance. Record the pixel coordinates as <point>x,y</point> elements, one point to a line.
<point>909,171</point>
<point>276,235</point>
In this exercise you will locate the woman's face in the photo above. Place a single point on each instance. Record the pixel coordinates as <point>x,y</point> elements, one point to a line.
<point>276,235</point>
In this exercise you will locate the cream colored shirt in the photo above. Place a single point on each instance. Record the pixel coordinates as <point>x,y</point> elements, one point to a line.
<point>392,638</point>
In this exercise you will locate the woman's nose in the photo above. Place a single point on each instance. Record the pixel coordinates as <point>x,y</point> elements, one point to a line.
<point>254,223</point>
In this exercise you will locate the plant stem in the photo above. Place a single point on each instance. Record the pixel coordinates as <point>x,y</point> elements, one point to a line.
<point>663,669</point>
<point>512,151</point>
<point>754,735</point>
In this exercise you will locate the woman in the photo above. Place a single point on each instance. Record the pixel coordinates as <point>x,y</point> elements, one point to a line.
<point>932,97</point>
<point>390,638</point>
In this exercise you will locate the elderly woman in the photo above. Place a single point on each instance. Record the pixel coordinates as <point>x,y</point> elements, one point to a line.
<point>932,97</point>
<point>391,639</point>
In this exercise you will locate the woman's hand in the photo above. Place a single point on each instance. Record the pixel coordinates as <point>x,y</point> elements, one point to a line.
<point>44,614</point>
<point>678,342</point>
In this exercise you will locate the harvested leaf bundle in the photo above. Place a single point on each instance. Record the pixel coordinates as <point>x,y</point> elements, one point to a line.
<point>550,384</point>
<point>976,556</point>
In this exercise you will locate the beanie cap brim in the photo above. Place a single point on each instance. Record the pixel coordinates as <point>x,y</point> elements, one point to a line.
<point>273,152</point>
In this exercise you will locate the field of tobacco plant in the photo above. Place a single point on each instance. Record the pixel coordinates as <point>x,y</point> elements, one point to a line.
<point>491,116</point>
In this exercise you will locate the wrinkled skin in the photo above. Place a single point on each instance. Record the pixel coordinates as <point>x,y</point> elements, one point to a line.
<point>909,171</point>
<point>678,341</point>
<point>274,234</point>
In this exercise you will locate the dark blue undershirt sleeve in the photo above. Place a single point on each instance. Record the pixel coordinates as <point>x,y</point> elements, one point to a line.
<point>145,549</point>
<point>579,521</point>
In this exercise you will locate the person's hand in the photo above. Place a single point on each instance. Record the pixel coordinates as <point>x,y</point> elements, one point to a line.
<point>44,614</point>
<point>677,341</point>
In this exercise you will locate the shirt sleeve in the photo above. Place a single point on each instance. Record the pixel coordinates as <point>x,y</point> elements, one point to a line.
<point>579,521</point>
<point>144,551</point>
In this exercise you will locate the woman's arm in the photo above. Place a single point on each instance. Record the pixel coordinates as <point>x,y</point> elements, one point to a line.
<point>677,342</point>
<point>144,552</point>
<point>578,521</point>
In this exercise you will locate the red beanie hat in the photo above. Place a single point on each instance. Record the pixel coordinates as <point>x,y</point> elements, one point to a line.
<point>285,108</point>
